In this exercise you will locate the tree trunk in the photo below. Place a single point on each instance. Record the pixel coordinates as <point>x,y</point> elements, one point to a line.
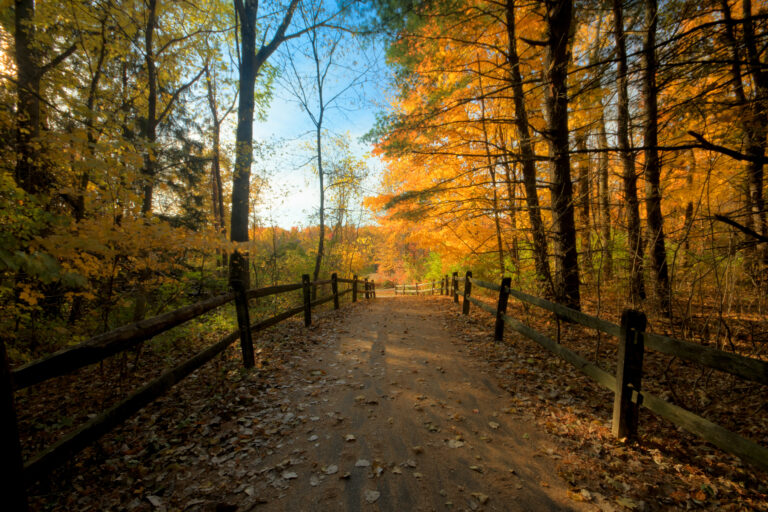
<point>604,201</point>
<point>241,179</point>
<point>29,173</point>
<point>585,196</point>
<point>321,236</point>
<point>634,236</point>
<point>559,19</point>
<point>250,64</point>
<point>217,192</point>
<point>757,127</point>
<point>653,163</point>
<point>492,170</point>
<point>149,131</point>
<point>539,235</point>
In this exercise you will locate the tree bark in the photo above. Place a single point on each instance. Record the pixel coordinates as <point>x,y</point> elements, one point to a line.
<point>756,122</point>
<point>634,236</point>
<point>585,197</point>
<point>149,128</point>
<point>217,192</point>
<point>539,235</point>
<point>559,19</point>
<point>604,201</point>
<point>250,64</point>
<point>29,172</point>
<point>655,219</point>
<point>492,170</point>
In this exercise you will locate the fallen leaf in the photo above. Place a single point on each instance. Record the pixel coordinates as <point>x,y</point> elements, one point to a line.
<point>371,496</point>
<point>493,425</point>
<point>362,463</point>
<point>628,503</point>
<point>331,470</point>
<point>482,498</point>
<point>289,475</point>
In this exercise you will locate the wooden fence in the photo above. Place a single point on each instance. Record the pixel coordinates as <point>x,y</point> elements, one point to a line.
<point>428,288</point>
<point>626,384</point>
<point>16,475</point>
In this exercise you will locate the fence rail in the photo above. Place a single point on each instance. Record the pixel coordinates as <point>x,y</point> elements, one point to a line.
<point>21,474</point>
<point>626,384</point>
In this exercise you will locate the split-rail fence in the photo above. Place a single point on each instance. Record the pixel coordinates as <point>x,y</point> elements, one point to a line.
<point>16,475</point>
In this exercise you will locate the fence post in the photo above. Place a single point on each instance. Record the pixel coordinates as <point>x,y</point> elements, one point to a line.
<point>629,374</point>
<point>11,463</point>
<point>335,290</point>
<point>456,287</point>
<point>501,308</point>
<point>307,302</point>
<point>467,292</point>
<point>433,288</point>
<point>367,293</point>
<point>244,324</point>
<point>373,289</point>
<point>354,288</point>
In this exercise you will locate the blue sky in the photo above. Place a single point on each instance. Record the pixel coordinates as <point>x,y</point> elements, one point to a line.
<point>293,196</point>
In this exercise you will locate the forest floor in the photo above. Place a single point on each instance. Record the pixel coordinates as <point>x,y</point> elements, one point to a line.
<point>394,404</point>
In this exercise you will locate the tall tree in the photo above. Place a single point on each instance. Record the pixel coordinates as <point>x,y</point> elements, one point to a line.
<point>320,91</point>
<point>652,162</point>
<point>527,155</point>
<point>559,17</point>
<point>251,62</point>
<point>634,235</point>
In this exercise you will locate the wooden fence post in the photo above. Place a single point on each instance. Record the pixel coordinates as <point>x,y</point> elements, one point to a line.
<point>354,288</point>
<point>307,302</point>
<point>244,324</point>
<point>367,293</point>
<point>373,289</point>
<point>629,374</point>
<point>433,288</point>
<point>335,290</point>
<point>11,464</point>
<point>467,292</point>
<point>456,287</point>
<point>501,308</point>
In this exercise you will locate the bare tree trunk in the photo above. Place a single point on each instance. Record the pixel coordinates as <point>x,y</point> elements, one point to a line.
<point>757,126</point>
<point>217,192</point>
<point>512,209</point>
<point>321,235</point>
<point>559,19</point>
<point>585,197</point>
<point>492,170</point>
<point>540,256</point>
<point>149,130</point>
<point>604,201</point>
<point>634,235</point>
<point>653,163</point>
<point>29,172</point>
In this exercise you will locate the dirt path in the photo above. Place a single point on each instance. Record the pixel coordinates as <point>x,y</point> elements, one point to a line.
<point>394,415</point>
